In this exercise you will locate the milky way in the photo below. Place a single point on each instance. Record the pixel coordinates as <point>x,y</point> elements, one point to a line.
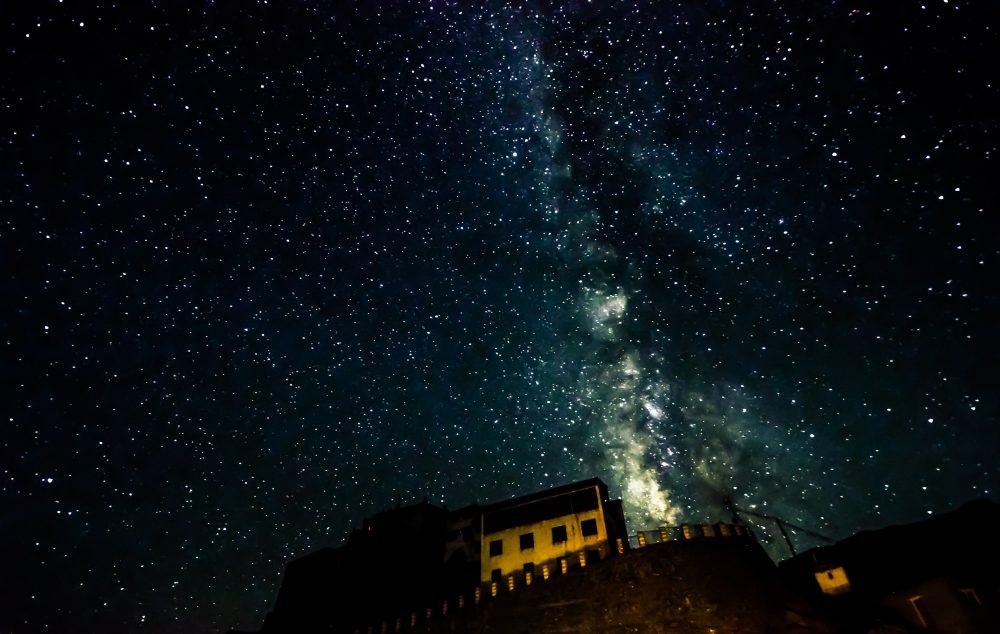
<point>275,267</point>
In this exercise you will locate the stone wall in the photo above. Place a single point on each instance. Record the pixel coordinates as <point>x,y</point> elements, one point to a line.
<point>720,586</point>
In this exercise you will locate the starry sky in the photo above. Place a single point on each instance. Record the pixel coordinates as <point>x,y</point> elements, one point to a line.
<point>272,267</point>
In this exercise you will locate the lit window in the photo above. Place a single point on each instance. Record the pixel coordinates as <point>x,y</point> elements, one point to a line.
<point>589,527</point>
<point>833,580</point>
<point>559,534</point>
<point>527,541</point>
<point>496,547</point>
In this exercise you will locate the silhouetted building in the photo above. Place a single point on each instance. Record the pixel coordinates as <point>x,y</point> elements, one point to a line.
<point>937,575</point>
<point>462,548</point>
<point>390,566</point>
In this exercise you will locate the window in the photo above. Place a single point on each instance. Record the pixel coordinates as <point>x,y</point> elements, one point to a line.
<point>559,534</point>
<point>529,567</point>
<point>496,575</point>
<point>920,608</point>
<point>527,541</point>
<point>970,596</point>
<point>496,547</point>
<point>593,556</point>
<point>833,580</point>
<point>589,527</point>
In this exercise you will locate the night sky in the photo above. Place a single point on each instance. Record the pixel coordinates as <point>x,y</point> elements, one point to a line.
<point>273,267</point>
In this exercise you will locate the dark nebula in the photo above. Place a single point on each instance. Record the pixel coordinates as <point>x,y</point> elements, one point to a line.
<point>271,267</point>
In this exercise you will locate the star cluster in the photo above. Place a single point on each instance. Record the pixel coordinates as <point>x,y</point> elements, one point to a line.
<point>272,267</point>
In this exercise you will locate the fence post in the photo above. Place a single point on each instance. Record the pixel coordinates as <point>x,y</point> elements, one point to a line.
<point>479,595</point>
<point>642,539</point>
<point>528,576</point>
<point>545,572</point>
<point>493,588</point>
<point>621,545</point>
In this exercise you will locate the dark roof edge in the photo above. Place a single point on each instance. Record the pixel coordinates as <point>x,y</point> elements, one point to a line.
<point>547,493</point>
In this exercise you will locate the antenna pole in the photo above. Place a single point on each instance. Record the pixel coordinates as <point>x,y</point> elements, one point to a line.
<point>728,503</point>
<point>784,533</point>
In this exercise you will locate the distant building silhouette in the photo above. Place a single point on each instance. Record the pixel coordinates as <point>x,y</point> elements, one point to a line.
<point>392,565</point>
<point>937,575</point>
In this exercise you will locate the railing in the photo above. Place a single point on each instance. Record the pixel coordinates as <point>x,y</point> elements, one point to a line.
<point>686,532</point>
<point>514,582</point>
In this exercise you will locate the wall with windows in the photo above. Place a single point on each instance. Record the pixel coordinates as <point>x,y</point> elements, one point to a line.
<point>945,604</point>
<point>543,541</point>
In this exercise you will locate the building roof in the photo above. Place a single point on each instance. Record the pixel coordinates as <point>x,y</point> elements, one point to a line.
<point>957,542</point>
<point>578,497</point>
<point>547,493</point>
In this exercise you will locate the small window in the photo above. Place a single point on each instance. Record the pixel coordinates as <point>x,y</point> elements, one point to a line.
<point>496,575</point>
<point>589,527</point>
<point>593,556</point>
<point>496,547</point>
<point>829,574</point>
<point>529,567</point>
<point>527,541</point>
<point>920,609</point>
<point>971,596</point>
<point>559,534</point>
